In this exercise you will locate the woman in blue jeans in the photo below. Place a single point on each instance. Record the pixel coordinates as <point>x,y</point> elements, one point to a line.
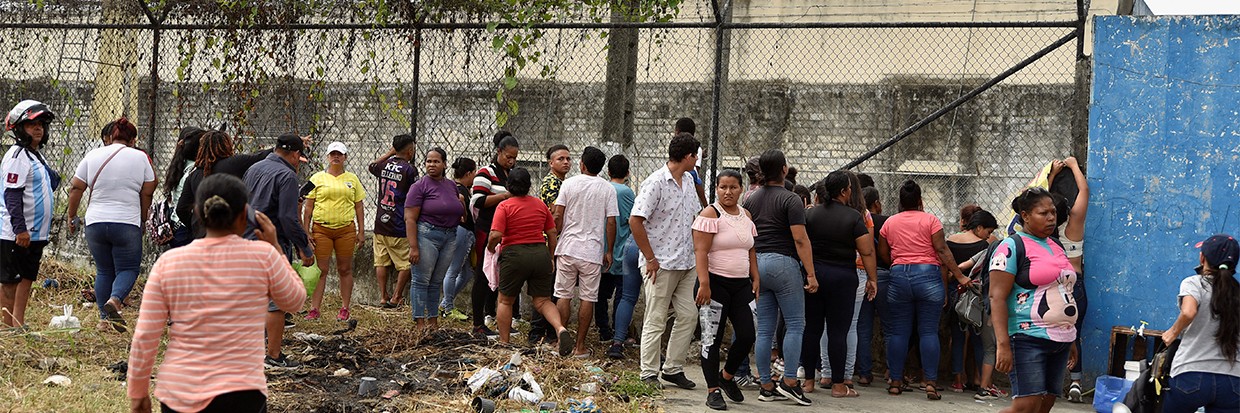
<point>121,181</point>
<point>1204,372</point>
<point>630,288</point>
<point>779,215</point>
<point>433,211</point>
<point>912,241</point>
<point>865,319</point>
<point>461,270</point>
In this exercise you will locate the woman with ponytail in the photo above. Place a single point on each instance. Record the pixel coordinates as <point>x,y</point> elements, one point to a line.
<point>212,296</point>
<point>121,181</point>
<point>1204,372</point>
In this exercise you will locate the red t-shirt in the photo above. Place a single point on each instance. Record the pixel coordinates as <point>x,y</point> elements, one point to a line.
<point>522,220</point>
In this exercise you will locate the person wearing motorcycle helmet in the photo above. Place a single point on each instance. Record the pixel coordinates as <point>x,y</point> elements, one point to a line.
<point>25,220</point>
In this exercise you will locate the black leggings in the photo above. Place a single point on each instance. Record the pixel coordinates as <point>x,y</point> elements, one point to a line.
<point>245,401</point>
<point>833,303</point>
<point>735,294</point>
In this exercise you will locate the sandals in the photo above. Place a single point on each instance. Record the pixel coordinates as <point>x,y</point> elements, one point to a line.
<point>895,390</point>
<point>932,392</point>
<point>865,381</point>
<point>847,394</point>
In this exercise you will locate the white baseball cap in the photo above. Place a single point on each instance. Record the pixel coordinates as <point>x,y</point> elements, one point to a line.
<point>337,146</point>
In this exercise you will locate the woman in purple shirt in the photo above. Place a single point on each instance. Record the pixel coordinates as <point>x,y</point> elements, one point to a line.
<point>433,209</point>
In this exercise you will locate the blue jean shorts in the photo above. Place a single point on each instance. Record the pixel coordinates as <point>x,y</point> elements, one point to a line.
<point>1038,366</point>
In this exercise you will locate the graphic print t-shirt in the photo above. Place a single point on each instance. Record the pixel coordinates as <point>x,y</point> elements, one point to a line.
<point>1040,303</point>
<point>395,175</point>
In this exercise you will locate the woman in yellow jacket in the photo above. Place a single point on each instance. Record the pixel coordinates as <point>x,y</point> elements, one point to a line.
<point>334,215</point>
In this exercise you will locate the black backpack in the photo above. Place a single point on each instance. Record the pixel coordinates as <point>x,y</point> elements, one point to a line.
<point>1022,265</point>
<point>1147,392</point>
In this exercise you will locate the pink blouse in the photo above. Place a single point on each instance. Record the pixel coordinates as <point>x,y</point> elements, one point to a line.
<point>729,250</point>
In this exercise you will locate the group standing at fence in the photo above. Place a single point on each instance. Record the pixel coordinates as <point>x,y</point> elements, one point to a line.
<point>799,275</point>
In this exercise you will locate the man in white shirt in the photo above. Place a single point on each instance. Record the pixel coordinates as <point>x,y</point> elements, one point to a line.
<point>662,224</point>
<point>585,214</point>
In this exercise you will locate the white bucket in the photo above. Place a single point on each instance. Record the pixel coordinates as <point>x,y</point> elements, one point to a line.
<point>1132,370</point>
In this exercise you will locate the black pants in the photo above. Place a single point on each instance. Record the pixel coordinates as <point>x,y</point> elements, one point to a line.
<point>833,303</point>
<point>482,298</point>
<point>609,287</point>
<point>245,401</point>
<point>735,294</point>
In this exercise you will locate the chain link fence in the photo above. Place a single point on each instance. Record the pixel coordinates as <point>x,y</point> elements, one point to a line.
<point>824,92</point>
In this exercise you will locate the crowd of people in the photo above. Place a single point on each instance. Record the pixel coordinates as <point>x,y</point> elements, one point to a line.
<point>795,280</point>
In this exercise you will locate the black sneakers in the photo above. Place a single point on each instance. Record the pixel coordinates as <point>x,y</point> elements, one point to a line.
<point>282,362</point>
<point>793,392</point>
<point>483,331</point>
<point>772,395</point>
<point>714,400</point>
<point>679,380</point>
<point>732,390</point>
<point>616,351</point>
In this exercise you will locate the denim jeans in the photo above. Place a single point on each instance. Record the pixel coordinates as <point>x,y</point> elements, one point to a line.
<point>1191,390</point>
<point>865,325</point>
<point>459,271</point>
<point>117,250</point>
<point>781,291</point>
<point>915,292</point>
<point>436,246</point>
<point>1038,366</point>
<point>630,288</point>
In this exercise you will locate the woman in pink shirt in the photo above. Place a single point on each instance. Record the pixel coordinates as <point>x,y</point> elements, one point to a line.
<point>727,273</point>
<point>912,241</point>
<point>212,296</point>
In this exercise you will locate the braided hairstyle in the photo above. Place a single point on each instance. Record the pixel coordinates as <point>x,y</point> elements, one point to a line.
<point>213,147</point>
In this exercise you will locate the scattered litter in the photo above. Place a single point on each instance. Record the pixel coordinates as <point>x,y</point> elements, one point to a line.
<point>308,337</point>
<point>481,378</point>
<point>367,385</point>
<point>51,283</point>
<point>121,370</point>
<point>533,395</point>
<point>342,372</point>
<point>390,394</point>
<point>350,326</point>
<point>58,380</point>
<point>588,388</point>
<point>583,406</point>
<point>481,405</point>
<point>66,321</point>
<point>546,407</point>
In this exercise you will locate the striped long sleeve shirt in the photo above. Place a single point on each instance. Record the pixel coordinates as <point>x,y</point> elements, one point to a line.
<point>215,293</point>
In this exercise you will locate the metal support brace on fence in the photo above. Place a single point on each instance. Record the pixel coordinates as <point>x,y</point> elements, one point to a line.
<point>1081,15</point>
<point>962,99</point>
<point>723,15</point>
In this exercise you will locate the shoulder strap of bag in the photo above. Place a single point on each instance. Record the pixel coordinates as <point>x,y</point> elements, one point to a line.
<point>95,178</point>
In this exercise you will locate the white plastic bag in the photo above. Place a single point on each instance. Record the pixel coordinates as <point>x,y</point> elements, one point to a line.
<point>710,316</point>
<point>531,396</point>
<point>66,321</point>
<point>481,378</point>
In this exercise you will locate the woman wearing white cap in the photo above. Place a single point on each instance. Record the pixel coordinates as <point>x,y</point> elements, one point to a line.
<point>334,214</point>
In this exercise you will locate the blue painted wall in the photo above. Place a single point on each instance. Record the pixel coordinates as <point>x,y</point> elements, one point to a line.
<point>1163,161</point>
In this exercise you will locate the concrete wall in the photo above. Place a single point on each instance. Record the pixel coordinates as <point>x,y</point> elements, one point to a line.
<point>1163,142</point>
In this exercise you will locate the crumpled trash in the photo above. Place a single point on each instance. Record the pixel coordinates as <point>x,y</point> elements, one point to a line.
<point>58,380</point>
<point>480,379</point>
<point>308,337</point>
<point>588,388</point>
<point>341,372</point>
<point>521,395</point>
<point>583,406</point>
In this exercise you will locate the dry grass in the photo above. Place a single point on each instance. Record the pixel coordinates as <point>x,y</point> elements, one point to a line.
<point>429,369</point>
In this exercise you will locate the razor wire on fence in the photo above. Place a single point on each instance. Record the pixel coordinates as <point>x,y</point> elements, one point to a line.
<point>825,93</point>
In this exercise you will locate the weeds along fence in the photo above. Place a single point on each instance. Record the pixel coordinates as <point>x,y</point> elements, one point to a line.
<point>970,108</point>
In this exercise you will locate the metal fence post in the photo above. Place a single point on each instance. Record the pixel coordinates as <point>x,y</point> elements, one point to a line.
<point>723,14</point>
<point>417,81</point>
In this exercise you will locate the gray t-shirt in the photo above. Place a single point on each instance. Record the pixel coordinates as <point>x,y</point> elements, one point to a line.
<point>1198,351</point>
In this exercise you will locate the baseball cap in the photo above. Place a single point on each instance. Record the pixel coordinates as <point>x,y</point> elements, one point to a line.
<point>337,146</point>
<point>290,142</point>
<point>1220,251</point>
